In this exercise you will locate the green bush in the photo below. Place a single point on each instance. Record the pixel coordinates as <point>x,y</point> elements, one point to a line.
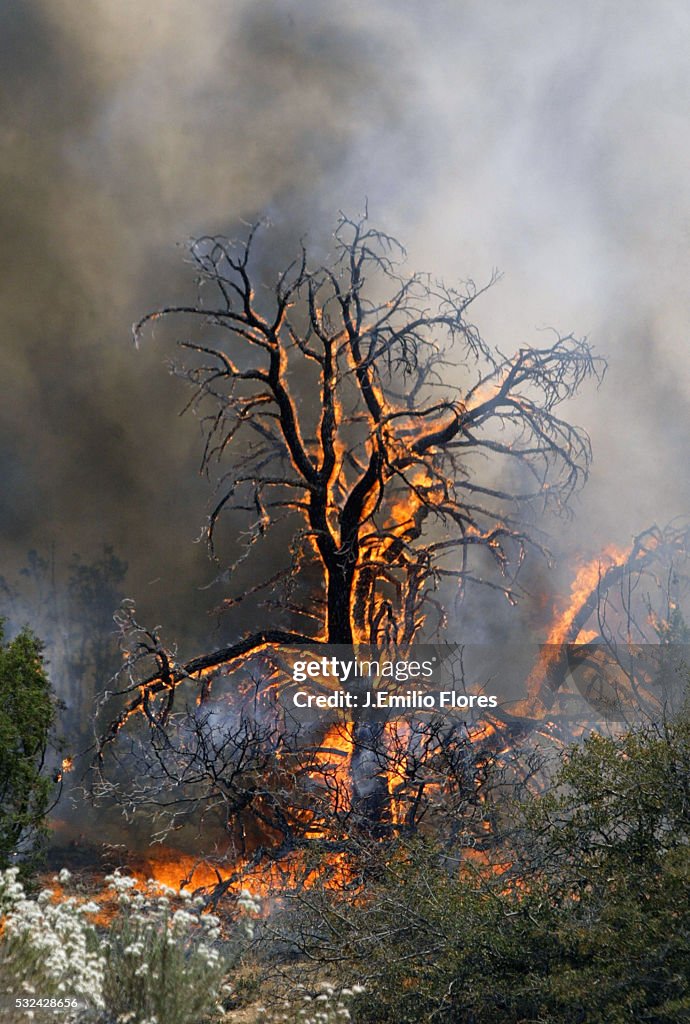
<point>27,712</point>
<point>324,1004</point>
<point>590,922</point>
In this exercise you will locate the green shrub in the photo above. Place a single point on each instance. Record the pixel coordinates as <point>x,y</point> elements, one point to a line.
<point>27,712</point>
<point>324,1004</point>
<point>590,922</point>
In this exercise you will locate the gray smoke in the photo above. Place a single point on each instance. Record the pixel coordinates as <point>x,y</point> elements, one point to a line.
<point>548,140</point>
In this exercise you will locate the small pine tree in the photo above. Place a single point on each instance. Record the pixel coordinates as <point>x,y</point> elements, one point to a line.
<point>27,712</point>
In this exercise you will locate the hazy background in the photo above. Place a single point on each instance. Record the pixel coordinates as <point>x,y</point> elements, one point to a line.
<point>549,140</point>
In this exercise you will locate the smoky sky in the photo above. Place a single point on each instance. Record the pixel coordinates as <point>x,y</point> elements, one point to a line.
<point>547,140</point>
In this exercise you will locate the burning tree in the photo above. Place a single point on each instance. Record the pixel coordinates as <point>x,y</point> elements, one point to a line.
<point>361,424</point>
<point>622,635</point>
<point>387,478</point>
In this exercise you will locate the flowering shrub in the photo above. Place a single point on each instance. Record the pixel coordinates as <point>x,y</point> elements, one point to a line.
<point>250,907</point>
<point>328,1006</point>
<point>47,949</point>
<point>158,962</point>
<point>162,964</point>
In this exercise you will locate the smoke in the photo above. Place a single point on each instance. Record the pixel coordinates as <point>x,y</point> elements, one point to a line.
<point>560,157</point>
<point>547,140</point>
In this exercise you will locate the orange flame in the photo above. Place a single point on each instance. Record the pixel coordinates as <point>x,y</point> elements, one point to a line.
<point>585,582</point>
<point>583,586</point>
<point>265,879</point>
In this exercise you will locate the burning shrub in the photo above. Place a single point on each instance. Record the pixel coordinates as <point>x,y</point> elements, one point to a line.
<point>413,931</point>
<point>159,961</point>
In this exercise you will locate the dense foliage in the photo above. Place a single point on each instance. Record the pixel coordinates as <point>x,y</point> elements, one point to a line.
<point>590,921</point>
<point>27,711</point>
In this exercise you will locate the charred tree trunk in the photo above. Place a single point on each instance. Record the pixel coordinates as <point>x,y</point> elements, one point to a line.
<point>369,787</point>
<point>340,586</point>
